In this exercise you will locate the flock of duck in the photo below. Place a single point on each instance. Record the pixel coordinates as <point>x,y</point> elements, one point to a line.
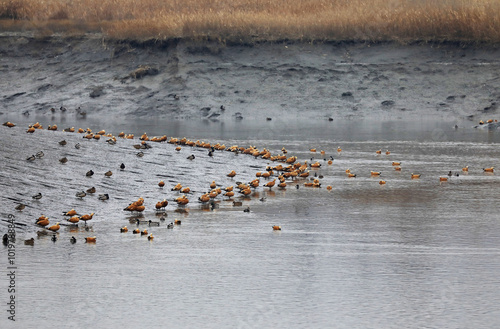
<point>286,170</point>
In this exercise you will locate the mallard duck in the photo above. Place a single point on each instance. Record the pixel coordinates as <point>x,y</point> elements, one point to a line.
<point>20,207</point>
<point>104,197</point>
<point>29,242</point>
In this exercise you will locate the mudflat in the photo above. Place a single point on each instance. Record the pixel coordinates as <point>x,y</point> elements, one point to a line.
<point>181,79</point>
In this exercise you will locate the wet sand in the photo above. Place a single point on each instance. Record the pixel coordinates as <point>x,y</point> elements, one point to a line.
<point>186,80</point>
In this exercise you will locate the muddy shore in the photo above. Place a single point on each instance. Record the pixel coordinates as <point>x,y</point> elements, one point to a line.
<point>93,77</point>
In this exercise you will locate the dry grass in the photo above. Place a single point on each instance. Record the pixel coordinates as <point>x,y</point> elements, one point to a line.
<point>261,20</point>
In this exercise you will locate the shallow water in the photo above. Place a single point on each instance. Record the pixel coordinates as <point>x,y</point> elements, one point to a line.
<point>410,253</point>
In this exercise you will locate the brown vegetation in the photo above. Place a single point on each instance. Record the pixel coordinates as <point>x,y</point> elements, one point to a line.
<point>261,20</point>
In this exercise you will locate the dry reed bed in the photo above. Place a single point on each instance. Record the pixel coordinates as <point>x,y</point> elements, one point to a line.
<point>261,20</point>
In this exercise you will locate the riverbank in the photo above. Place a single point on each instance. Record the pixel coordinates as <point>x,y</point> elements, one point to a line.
<point>93,77</point>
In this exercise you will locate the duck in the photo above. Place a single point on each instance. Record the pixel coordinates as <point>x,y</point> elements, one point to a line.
<point>145,232</point>
<point>395,163</point>
<point>387,152</point>
<point>72,240</point>
<point>90,239</point>
<point>339,149</point>
<point>270,184</point>
<point>89,173</point>
<point>39,154</point>
<point>204,197</point>
<point>397,168</point>
<point>37,196</point>
<point>43,222</point>
<point>466,168</point>
<point>29,242</point>
<point>277,228</point>
<point>63,142</point>
<point>161,184</point>
<point>72,212</point>
<point>30,130</point>
<point>108,173</point>
<point>151,223</point>
<point>140,154</point>
<point>54,238</point>
<point>103,197</point>
<point>490,169</point>
<point>122,166</point>
<point>63,160</point>
<point>443,179</point>
<point>54,228</point>
<point>170,226</point>
<point>183,200</point>
<point>191,157</point>
<point>351,175</point>
<point>375,173</point>
<point>378,151</point>
<point>177,222</point>
<point>177,187</point>
<point>87,217</point>
<point>31,158</point>
<point>186,190</point>
<point>124,229</point>
<point>20,207</point>
<point>81,194</point>
<point>139,222</point>
<point>91,190</point>
<point>247,209</point>
<point>74,220</point>
<point>231,174</point>
<point>329,187</point>
<point>213,185</point>
<point>382,182</point>
<point>9,124</point>
<point>415,176</point>
<point>150,237</point>
<point>136,231</point>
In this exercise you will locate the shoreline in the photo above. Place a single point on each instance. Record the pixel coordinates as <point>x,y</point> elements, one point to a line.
<point>180,79</point>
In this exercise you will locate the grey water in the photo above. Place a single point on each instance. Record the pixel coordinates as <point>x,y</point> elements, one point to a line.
<point>408,254</point>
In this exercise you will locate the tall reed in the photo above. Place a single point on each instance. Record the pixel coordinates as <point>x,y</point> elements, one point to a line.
<point>261,20</point>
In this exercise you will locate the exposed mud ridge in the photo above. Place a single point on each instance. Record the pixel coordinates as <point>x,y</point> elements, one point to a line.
<point>186,79</point>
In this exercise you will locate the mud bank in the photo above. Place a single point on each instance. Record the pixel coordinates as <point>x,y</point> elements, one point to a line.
<point>91,77</point>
